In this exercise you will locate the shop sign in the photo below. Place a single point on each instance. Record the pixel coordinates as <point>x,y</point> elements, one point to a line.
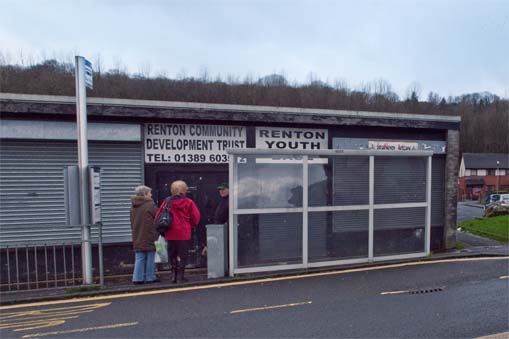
<point>283,138</point>
<point>392,145</point>
<point>191,143</point>
<point>436,146</point>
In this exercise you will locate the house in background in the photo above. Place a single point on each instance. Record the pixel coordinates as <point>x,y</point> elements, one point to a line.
<point>483,173</point>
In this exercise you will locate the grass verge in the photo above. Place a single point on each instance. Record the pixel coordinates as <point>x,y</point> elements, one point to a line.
<point>496,228</point>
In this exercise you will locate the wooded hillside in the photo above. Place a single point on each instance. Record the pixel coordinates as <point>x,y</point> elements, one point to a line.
<point>485,117</point>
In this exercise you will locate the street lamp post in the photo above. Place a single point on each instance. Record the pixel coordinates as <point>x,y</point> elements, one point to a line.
<point>497,173</point>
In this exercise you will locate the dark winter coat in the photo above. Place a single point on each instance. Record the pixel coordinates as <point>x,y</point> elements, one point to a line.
<point>144,231</point>
<point>222,211</point>
<point>185,216</point>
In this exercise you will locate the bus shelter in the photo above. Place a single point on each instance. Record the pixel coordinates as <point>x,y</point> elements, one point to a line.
<point>304,208</point>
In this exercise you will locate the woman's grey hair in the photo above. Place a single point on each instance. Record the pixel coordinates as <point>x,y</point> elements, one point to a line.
<point>142,190</point>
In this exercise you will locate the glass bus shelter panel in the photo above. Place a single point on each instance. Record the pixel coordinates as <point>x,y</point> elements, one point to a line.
<point>338,235</point>
<point>399,231</point>
<point>400,180</point>
<point>269,181</point>
<point>338,181</point>
<point>269,239</point>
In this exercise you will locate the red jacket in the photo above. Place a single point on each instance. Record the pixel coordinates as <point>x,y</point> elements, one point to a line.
<point>185,215</point>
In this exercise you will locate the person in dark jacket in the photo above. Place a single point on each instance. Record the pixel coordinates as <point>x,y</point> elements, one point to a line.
<point>144,233</point>
<point>185,216</point>
<point>222,211</point>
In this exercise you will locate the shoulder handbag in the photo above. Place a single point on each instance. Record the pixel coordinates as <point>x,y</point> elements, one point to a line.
<point>164,218</point>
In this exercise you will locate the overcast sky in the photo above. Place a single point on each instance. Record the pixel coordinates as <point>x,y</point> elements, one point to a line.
<point>450,47</point>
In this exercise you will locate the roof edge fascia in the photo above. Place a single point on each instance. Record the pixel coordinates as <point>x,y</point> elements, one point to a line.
<point>57,99</point>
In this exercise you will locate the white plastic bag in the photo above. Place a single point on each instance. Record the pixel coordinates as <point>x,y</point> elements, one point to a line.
<point>161,251</point>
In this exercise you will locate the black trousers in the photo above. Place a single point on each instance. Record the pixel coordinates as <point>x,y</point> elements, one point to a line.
<point>179,248</point>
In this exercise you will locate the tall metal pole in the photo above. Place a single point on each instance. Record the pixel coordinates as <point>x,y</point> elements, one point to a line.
<point>81,113</point>
<point>497,173</point>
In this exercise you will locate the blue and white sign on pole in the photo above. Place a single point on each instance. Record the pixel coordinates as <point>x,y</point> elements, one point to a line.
<point>89,80</point>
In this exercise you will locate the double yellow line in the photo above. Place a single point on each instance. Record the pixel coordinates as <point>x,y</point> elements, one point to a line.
<point>104,327</point>
<point>35,319</point>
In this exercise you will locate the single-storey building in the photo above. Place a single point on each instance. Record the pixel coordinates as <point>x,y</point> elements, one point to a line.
<point>137,142</point>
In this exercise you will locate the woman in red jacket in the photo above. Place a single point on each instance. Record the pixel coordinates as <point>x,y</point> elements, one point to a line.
<point>185,216</point>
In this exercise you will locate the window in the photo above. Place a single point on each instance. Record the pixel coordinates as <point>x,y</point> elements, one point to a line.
<point>491,172</point>
<point>473,172</point>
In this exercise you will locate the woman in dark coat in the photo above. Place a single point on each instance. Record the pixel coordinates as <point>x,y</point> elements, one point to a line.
<point>143,210</point>
<point>185,216</point>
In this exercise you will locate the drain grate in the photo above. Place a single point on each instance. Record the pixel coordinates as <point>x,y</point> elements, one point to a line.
<point>427,290</point>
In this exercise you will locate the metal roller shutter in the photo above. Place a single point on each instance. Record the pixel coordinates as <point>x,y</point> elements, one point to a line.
<point>400,180</point>
<point>32,189</point>
<point>437,202</point>
<point>437,191</point>
<point>351,181</point>
<point>121,171</point>
<point>280,236</point>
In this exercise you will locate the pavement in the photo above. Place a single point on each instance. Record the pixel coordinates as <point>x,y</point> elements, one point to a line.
<point>472,204</point>
<point>474,246</point>
<point>472,240</point>
<point>199,277</point>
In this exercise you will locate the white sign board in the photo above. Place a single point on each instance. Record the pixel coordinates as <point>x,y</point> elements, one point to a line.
<point>284,138</point>
<point>191,143</point>
<point>436,146</point>
<point>95,194</point>
<point>393,145</point>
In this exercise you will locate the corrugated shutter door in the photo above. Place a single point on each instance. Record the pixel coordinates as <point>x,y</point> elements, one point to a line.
<point>280,236</point>
<point>351,180</point>
<point>400,180</point>
<point>437,191</point>
<point>121,171</point>
<point>437,202</point>
<point>32,188</point>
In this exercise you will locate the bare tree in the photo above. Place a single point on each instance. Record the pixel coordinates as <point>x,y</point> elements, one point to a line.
<point>485,117</point>
<point>413,91</point>
<point>433,98</point>
<point>144,69</point>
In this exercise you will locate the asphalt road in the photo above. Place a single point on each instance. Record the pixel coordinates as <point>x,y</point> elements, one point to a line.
<point>466,212</point>
<point>465,299</point>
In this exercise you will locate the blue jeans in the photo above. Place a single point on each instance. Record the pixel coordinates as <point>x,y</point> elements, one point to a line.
<point>144,266</point>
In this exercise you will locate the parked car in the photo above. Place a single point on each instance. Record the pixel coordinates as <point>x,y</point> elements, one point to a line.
<point>504,200</point>
<point>475,194</point>
<point>491,199</point>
